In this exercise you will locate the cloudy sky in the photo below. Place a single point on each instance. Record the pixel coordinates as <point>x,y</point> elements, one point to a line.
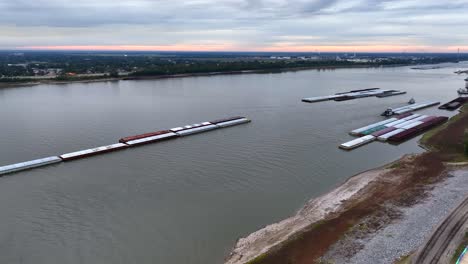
<point>236,25</point>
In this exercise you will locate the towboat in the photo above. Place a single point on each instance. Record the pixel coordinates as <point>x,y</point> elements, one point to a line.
<point>462,91</point>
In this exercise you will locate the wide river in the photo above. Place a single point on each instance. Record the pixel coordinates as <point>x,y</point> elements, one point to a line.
<point>185,200</point>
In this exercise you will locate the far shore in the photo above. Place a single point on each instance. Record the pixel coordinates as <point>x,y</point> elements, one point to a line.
<point>172,76</point>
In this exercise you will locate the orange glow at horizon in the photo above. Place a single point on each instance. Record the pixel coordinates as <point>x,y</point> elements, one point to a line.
<point>208,47</point>
<point>283,47</point>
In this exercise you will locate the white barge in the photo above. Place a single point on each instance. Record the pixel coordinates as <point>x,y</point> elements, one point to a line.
<point>356,94</point>
<point>357,142</point>
<point>29,165</point>
<point>233,122</point>
<point>358,131</point>
<point>92,152</point>
<point>414,124</point>
<point>406,123</point>
<point>194,129</point>
<point>152,139</point>
<point>414,107</point>
<point>403,120</point>
<point>320,98</point>
<point>385,137</point>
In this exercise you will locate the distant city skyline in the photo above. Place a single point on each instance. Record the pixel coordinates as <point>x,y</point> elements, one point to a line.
<point>236,25</point>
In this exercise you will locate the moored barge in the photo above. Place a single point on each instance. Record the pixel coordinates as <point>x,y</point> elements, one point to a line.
<point>136,137</point>
<point>417,130</point>
<point>357,142</point>
<point>454,104</point>
<point>152,139</point>
<point>29,165</point>
<point>233,122</point>
<point>91,152</point>
<point>194,129</point>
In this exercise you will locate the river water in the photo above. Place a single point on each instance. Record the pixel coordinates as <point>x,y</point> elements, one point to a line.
<point>185,200</point>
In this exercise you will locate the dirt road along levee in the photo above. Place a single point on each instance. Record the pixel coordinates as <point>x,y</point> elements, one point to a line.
<point>441,246</point>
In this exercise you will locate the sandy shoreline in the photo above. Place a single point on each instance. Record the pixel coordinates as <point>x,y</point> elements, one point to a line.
<point>315,210</point>
<point>174,76</point>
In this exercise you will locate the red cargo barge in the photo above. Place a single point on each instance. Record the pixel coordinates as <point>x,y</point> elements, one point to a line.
<point>151,134</point>
<point>383,131</point>
<point>454,104</point>
<point>412,132</point>
<point>404,115</point>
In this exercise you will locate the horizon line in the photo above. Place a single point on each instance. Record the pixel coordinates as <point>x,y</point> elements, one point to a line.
<point>233,48</point>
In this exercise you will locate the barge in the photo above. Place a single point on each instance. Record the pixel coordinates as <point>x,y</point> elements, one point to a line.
<point>232,122</point>
<point>417,130</point>
<point>357,142</point>
<point>128,142</point>
<point>223,120</point>
<point>383,131</point>
<point>394,129</point>
<point>454,104</point>
<point>385,137</point>
<point>354,94</point>
<point>29,165</point>
<point>357,95</point>
<point>361,90</point>
<point>91,152</point>
<point>373,130</point>
<point>408,108</point>
<point>358,131</point>
<point>375,127</point>
<point>394,93</point>
<point>194,129</point>
<point>415,107</point>
<point>136,137</point>
<point>319,98</point>
<point>403,120</point>
<point>152,139</point>
<point>409,122</point>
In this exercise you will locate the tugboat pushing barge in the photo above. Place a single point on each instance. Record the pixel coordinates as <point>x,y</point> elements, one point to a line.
<point>464,91</point>
<point>390,111</point>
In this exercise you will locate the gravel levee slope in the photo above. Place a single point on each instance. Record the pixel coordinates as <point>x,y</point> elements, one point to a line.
<point>415,225</point>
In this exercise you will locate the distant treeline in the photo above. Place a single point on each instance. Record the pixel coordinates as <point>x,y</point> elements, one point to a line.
<point>210,66</point>
<point>13,66</point>
<point>221,66</point>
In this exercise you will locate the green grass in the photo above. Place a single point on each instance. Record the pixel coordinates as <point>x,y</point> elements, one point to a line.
<point>258,259</point>
<point>424,140</point>
<point>404,259</point>
<point>460,249</point>
<point>454,155</point>
<point>394,165</point>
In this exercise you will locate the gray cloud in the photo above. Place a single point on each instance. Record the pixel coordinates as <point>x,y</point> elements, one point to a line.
<point>246,24</point>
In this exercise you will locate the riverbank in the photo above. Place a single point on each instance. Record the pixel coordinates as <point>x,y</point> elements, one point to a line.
<point>364,204</point>
<point>173,76</point>
<point>54,82</point>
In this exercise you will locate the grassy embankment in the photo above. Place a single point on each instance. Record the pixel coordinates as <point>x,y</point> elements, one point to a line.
<point>460,249</point>
<point>450,141</point>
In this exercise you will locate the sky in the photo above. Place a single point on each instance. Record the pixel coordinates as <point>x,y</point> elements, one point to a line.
<point>236,25</point>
